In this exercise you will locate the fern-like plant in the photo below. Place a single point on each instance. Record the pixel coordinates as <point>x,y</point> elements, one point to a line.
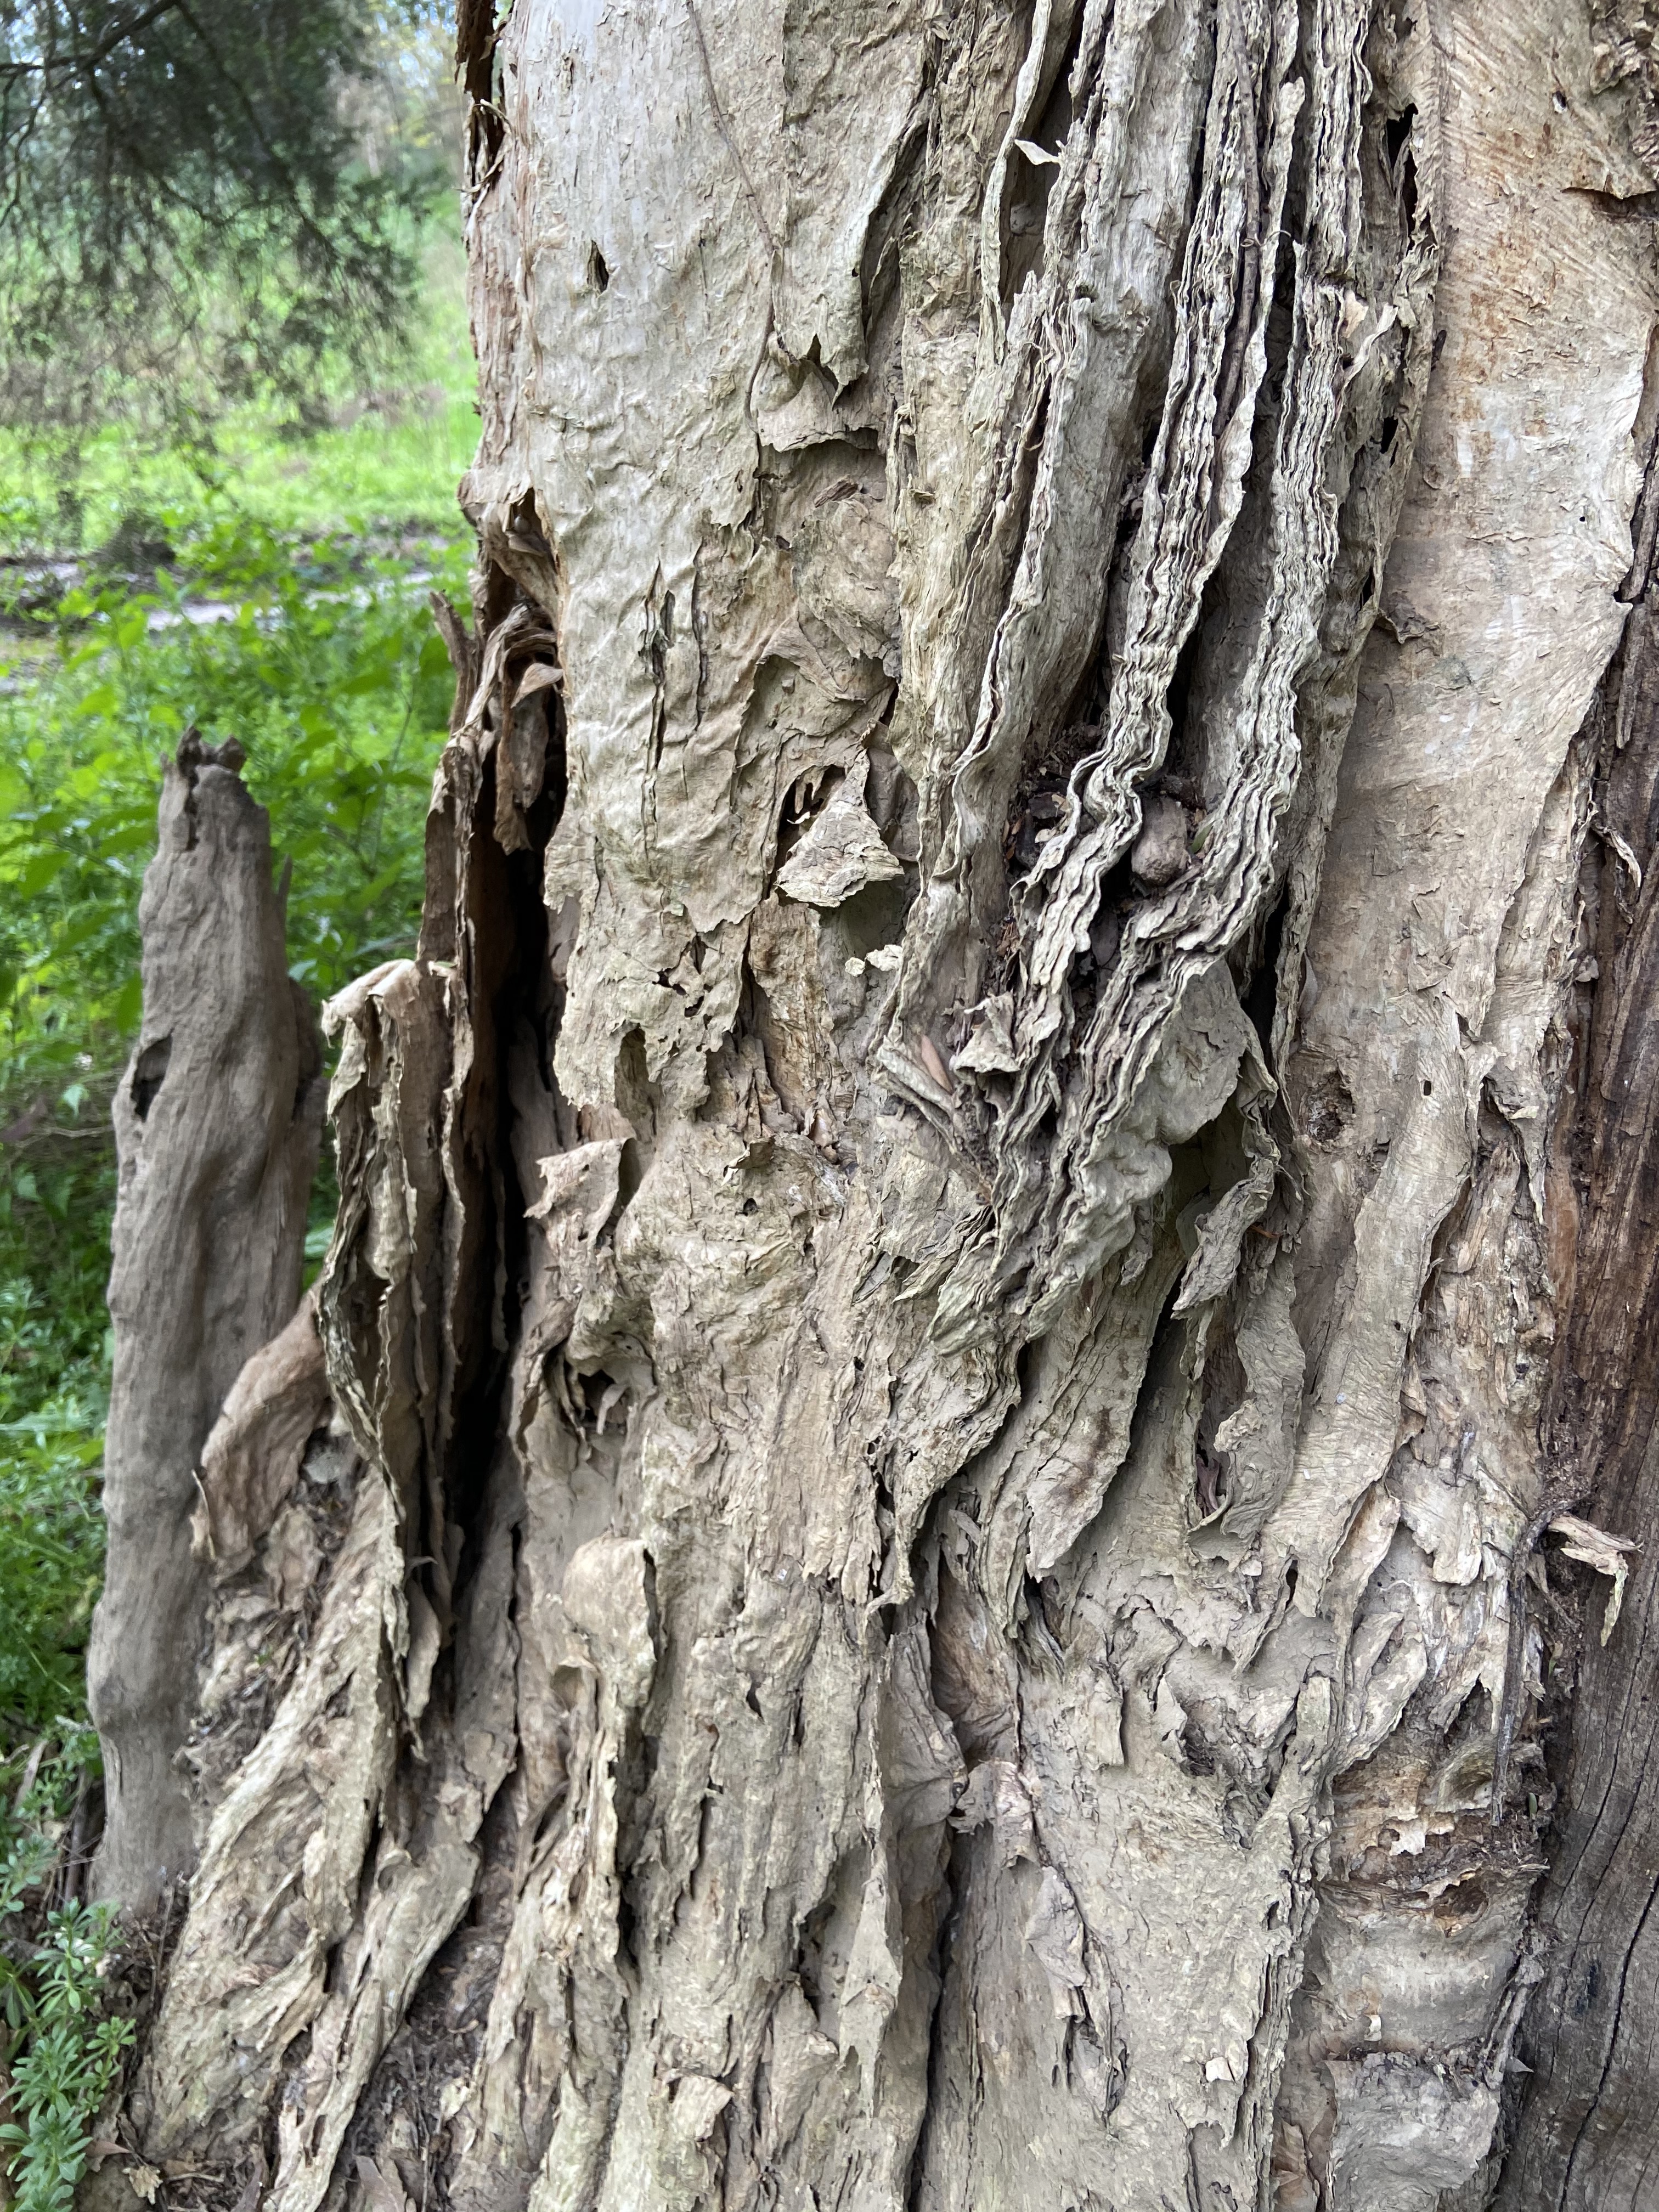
<point>60,2050</point>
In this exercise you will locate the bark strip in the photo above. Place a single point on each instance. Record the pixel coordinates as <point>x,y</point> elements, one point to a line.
<point>1590,2127</point>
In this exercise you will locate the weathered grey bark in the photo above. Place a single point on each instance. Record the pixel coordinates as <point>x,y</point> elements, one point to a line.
<point>217,1123</point>
<point>1590,2133</point>
<point>950,1254</point>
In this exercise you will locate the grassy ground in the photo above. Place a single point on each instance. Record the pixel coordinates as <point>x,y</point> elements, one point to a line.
<point>385,457</point>
<point>270,584</point>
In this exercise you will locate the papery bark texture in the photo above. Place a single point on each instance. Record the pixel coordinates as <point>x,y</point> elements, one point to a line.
<point>931,1564</point>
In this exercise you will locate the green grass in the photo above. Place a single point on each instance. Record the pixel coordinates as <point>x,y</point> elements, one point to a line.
<point>370,461</point>
<point>320,550</point>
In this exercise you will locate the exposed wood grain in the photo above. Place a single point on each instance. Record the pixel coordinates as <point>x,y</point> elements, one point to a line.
<point>1588,2137</point>
<point>217,1123</point>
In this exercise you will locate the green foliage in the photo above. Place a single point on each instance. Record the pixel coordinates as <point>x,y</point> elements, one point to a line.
<point>202,201</point>
<point>68,2060</point>
<point>324,662</point>
<point>58,2047</point>
<point>328,668</point>
<point>248,551</point>
<point>52,1399</point>
<point>367,457</point>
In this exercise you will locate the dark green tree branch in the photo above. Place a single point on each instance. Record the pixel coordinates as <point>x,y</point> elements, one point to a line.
<point>190,208</point>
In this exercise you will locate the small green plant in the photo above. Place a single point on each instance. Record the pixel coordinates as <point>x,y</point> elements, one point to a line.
<point>266,579</point>
<point>60,2048</point>
<point>321,656</point>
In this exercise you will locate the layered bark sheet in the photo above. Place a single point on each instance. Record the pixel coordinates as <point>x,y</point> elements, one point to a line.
<point>949,1255</point>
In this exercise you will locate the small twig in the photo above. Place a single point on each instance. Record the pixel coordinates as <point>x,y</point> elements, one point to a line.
<point>96,1136</point>
<point>726,139</point>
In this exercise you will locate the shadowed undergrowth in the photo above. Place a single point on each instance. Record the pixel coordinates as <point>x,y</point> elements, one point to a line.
<point>269,583</point>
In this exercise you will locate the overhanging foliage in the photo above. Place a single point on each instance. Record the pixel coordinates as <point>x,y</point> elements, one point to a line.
<point>201,198</point>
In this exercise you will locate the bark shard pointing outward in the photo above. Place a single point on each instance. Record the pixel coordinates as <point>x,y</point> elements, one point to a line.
<point>929,1581</point>
<point>217,1124</point>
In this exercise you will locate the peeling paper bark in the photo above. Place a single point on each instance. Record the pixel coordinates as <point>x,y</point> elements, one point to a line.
<point>950,1254</point>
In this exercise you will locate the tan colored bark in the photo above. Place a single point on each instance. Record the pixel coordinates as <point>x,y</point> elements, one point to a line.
<point>950,1251</point>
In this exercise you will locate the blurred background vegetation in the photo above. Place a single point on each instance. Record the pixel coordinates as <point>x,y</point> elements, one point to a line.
<point>234,401</point>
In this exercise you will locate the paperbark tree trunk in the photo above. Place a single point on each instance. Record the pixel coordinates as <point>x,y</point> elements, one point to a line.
<point>962,1361</point>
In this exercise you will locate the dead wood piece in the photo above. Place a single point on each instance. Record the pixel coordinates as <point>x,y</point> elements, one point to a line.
<point>217,1123</point>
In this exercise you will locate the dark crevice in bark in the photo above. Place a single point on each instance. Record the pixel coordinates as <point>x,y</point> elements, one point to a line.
<point>1039,801</point>
<point>1259,994</point>
<point>476,32</point>
<point>508,935</point>
<point>941,2087</point>
<point>504,926</point>
<point>1025,208</point>
<point>1402,161</point>
<point>149,1074</point>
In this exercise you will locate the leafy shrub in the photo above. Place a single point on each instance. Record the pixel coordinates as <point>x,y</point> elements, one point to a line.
<point>59,2050</point>
<point>324,662</point>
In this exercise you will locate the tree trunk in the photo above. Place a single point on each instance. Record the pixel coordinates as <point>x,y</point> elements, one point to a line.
<point>959,1320</point>
<point>217,1123</point>
<point>1588,2135</point>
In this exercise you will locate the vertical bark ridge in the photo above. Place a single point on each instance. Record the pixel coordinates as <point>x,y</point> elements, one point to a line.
<point>217,1123</point>
<point>1586,2134</point>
